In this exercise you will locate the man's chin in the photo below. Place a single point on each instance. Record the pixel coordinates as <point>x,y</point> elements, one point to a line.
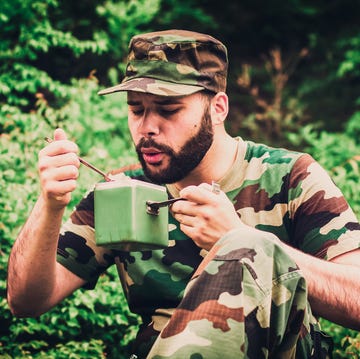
<point>154,172</point>
<point>160,176</point>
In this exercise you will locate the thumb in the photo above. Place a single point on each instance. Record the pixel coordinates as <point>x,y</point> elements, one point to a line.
<point>59,134</point>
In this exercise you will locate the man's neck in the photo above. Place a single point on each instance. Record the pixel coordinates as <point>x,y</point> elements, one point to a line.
<point>216,163</point>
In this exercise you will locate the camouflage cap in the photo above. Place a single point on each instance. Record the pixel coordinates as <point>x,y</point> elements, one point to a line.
<point>174,63</point>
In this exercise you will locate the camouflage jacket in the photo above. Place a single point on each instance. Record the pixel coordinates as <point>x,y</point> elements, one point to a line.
<point>275,190</point>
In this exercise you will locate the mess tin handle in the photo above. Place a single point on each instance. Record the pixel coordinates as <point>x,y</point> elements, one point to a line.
<point>152,207</point>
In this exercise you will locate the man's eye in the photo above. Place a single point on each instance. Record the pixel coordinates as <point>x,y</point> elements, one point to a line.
<point>168,111</point>
<point>137,112</point>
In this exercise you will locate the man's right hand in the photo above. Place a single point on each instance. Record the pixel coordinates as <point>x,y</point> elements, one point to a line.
<point>58,167</point>
<point>36,281</point>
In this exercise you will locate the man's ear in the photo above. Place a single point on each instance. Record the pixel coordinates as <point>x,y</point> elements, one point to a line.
<point>219,108</point>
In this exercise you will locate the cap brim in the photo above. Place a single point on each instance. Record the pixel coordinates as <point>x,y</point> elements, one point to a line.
<point>153,86</point>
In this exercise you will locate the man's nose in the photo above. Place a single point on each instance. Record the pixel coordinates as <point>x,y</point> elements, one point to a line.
<point>149,125</point>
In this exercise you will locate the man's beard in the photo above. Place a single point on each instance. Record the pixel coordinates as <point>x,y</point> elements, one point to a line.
<point>183,162</point>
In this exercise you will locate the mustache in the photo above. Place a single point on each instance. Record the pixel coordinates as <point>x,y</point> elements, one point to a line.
<point>149,142</point>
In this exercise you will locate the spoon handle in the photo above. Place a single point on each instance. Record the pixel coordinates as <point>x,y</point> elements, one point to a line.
<point>86,163</point>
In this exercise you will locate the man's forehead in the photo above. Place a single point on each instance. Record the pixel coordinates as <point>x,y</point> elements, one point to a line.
<point>140,97</point>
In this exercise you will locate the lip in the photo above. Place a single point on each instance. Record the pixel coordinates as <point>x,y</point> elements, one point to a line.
<point>149,150</point>
<point>152,155</point>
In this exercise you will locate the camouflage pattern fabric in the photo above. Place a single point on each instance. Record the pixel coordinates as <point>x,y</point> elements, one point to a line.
<point>174,63</point>
<point>281,193</point>
<point>247,299</point>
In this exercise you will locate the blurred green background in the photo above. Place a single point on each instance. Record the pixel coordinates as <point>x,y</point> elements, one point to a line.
<point>293,82</point>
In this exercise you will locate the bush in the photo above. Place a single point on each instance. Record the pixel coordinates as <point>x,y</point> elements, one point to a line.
<point>96,322</point>
<point>87,324</point>
<point>42,44</point>
<point>47,49</point>
<point>339,153</point>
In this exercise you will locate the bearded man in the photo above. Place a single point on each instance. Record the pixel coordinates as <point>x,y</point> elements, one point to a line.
<point>246,270</point>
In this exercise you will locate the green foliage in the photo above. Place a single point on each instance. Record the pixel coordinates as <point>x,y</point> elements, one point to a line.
<point>353,125</point>
<point>97,322</point>
<point>87,324</point>
<point>27,34</point>
<point>339,153</point>
<point>351,62</point>
<point>32,104</point>
<point>294,70</point>
<point>186,14</point>
<point>346,341</point>
<point>123,21</point>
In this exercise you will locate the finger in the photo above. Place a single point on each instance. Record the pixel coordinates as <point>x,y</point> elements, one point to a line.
<point>182,218</point>
<point>206,186</point>
<point>47,162</point>
<point>185,207</point>
<point>59,188</point>
<point>60,174</point>
<point>65,173</point>
<point>213,188</point>
<point>59,134</point>
<point>201,236</point>
<point>198,194</point>
<point>59,147</point>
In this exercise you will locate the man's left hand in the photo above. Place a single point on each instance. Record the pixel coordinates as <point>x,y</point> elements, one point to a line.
<point>206,216</point>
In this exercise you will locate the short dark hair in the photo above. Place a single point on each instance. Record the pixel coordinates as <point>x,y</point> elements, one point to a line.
<point>207,95</point>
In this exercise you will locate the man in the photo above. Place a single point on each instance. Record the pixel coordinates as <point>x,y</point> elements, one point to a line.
<point>242,266</point>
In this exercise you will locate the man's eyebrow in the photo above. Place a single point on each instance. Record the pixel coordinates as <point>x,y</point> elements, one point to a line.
<point>169,101</point>
<point>133,103</point>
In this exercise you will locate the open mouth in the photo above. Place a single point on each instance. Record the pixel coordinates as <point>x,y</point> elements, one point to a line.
<point>152,155</point>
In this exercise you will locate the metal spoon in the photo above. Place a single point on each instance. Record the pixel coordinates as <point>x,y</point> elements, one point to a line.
<point>86,163</point>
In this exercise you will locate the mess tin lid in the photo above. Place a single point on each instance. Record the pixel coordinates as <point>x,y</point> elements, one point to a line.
<point>125,181</point>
